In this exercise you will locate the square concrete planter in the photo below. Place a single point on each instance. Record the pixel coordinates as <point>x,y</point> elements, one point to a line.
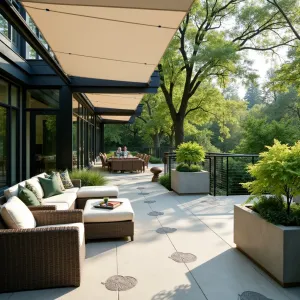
<point>275,248</point>
<point>190,182</point>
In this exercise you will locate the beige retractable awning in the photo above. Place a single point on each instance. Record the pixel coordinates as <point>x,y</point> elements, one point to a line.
<point>172,5</point>
<point>108,39</point>
<point>120,101</point>
<point>116,118</point>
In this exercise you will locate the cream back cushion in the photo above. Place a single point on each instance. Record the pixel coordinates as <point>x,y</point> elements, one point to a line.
<point>17,215</point>
<point>13,190</point>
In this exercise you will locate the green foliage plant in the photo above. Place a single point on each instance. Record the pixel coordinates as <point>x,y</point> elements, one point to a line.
<point>165,181</point>
<point>190,153</point>
<point>274,210</point>
<point>155,160</point>
<point>186,168</point>
<point>277,172</point>
<point>110,154</point>
<point>89,177</point>
<point>183,168</point>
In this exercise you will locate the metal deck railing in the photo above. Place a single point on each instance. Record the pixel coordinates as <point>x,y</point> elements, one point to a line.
<point>227,171</point>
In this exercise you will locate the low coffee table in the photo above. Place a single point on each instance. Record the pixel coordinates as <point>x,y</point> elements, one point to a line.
<point>102,223</point>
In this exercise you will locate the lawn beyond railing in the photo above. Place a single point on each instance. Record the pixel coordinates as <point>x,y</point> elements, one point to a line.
<point>227,171</point>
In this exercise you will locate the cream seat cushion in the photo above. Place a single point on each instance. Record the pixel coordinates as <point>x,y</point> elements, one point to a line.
<point>98,191</point>
<point>68,198</point>
<point>71,190</point>
<point>124,212</point>
<point>17,215</point>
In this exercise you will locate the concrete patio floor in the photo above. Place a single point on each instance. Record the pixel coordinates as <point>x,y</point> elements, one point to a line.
<point>204,228</point>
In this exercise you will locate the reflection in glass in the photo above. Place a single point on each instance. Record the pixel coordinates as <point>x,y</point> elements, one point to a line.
<point>13,152</point>
<point>3,147</point>
<point>14,96</point>
<point>3,92</point>
<point>4,26</point>
<point>45,143</point>
<point>74,132</point>
<point>42,99</point>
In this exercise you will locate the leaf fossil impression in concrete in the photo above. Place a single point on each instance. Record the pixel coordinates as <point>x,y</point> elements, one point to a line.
<point>120,283</point>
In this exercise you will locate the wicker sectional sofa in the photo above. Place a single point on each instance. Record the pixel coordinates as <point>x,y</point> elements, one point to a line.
<point>46,256</point>
<point>71,198</point>
<point>51,254</point>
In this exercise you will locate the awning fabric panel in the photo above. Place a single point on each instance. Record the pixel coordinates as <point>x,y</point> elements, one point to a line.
<point>106,43</point>
<point>117,101</point>
<point>116,118</point>
<point>172,5</point>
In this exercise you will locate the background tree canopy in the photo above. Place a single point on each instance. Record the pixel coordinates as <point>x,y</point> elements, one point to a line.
<point>198,99</point>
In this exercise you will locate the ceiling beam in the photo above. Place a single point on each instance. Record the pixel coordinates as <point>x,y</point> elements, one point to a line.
<point>113,111</point>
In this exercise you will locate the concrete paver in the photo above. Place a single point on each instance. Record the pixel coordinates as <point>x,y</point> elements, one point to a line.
<point>204,228</point>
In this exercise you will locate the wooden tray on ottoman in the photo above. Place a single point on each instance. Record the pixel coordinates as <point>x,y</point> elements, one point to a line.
<point>103,223</point>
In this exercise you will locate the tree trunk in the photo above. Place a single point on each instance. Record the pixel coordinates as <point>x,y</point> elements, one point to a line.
<point>156,143</point>
<point>179,130</point>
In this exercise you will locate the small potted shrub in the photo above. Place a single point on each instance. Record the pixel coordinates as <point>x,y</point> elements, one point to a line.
<point>268,230</point>
<point>189,178</point>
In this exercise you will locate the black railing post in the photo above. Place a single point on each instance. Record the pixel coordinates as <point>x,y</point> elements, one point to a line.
<point>215,176</point>
<point>227,176</point>
<point>169,166</point>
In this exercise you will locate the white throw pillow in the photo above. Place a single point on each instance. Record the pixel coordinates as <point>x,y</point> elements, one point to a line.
<point>34,181</point>
<point>17,215</point>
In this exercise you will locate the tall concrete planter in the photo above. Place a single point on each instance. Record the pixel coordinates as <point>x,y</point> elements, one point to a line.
<point>190,182</point>
<point>275,248</point>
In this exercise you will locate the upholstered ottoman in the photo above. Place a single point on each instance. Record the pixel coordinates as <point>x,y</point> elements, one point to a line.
<point>95,192</point>
<point>103,223</point>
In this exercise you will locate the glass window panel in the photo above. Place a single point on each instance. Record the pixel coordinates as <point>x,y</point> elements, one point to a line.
<point>75,106</point>
<point>30,23</point>
<point>13,151</point>
<point>14,96</point>
<point>30,52</point>
<point>45,143</point>
<point>15,37</point>
<point>42,99</point>
<point>3,92</point>
<point>28,144</point>
<point>3,147</point>
<point>4,26</point>
<point>75,142</point>
<point>43,41</point>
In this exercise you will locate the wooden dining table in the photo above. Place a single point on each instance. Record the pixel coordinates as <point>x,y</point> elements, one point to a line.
<point>126,164</point>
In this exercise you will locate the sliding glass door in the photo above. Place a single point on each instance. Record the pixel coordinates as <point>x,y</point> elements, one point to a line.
<point>42,142</point>
<point>3,147</point>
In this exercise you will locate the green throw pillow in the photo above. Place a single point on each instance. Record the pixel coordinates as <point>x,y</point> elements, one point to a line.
<point>50,186</point>
<point>66,180</point>
<point>28,197</point>
<point>58,179</point>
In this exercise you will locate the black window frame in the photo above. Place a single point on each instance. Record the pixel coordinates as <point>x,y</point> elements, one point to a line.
<point>9,109</point>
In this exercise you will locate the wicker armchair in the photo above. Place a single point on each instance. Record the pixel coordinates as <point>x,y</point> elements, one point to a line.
<point>104,162</point>
<point>42,257</point>
<point>147,159</point>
